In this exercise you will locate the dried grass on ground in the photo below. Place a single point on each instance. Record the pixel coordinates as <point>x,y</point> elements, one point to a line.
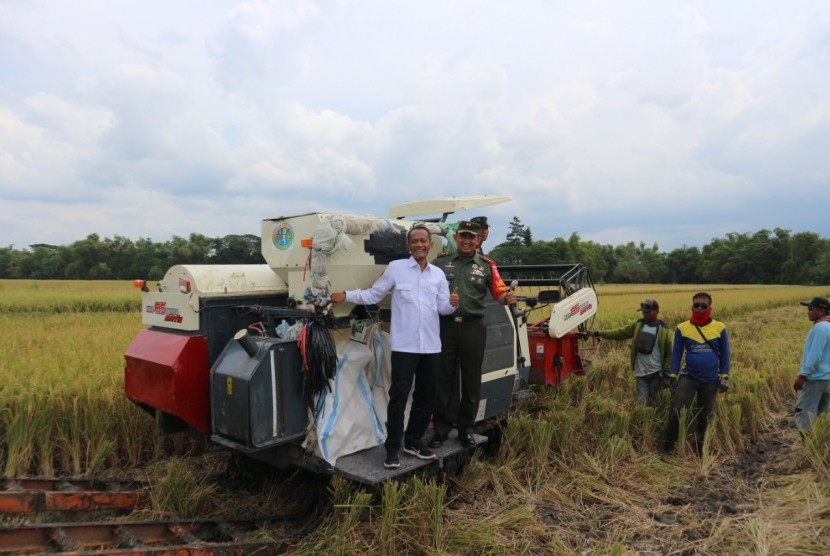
<point>578,472</point>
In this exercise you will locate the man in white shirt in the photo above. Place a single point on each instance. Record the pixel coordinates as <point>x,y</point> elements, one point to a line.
<point>419,294</point>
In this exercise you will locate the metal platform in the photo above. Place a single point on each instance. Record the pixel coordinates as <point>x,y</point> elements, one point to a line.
<point>366,466</point>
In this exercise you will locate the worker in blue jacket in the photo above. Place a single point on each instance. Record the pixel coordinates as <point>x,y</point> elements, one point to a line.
<point>699,368</point>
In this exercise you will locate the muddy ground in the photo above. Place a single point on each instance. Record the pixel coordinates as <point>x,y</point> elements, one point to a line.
<point>735,507</point>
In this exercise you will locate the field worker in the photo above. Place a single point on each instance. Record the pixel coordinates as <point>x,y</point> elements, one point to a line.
<point>464,334</point>
<point>484,233</point>
<point>419,294</point>
<point>651,350</point>
<point>705,371</point>
<point>813,382</point>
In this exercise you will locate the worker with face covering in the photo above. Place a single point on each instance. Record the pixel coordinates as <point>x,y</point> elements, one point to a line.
<point>699,369</point>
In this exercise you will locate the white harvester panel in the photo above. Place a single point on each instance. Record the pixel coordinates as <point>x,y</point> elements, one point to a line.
<point>446,205</point>
<point>572,311</point>
<point>176,304</point>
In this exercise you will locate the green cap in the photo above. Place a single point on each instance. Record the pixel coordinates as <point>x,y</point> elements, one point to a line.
<point>468,227</point>
<point>481,221</point>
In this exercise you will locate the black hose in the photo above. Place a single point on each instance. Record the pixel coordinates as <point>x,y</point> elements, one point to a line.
<point>320,359</point>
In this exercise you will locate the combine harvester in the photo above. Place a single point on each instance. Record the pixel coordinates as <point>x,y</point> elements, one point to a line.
<point>221,356</point>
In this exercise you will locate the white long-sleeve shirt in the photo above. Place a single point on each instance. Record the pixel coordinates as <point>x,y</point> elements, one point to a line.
<point>418,297</point>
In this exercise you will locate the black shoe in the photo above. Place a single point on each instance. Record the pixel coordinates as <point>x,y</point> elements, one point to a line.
<point>437,440</point>
<point>392,461</point>
<point>418,450</point>
<point>467,440</point>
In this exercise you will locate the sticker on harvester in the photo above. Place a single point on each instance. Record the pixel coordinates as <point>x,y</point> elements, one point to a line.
<point>283,236</point>
<point>540,351</point>
<point>482,409</point>
<point>229,382</point>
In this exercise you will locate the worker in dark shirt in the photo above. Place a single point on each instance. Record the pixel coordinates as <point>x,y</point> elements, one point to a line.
<point>651,350</point>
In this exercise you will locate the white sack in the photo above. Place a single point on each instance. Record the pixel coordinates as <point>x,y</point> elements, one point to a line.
<point>347,421</point>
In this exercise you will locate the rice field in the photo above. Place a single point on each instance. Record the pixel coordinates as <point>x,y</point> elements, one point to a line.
<point>577,472</point>
<point>61,379</point>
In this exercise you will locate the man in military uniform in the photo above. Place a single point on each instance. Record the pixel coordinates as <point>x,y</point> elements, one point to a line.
<point>463,334</point>
<point>485,231</point>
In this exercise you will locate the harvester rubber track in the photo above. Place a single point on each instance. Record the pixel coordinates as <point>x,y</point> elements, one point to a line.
<point>25,502</point>
<point>28,496</point>
<point>179,538</point>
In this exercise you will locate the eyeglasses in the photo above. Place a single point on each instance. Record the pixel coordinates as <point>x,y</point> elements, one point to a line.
<point>703,306</point>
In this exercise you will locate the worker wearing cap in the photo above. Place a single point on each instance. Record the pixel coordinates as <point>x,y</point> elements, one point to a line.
<point>463,334</point>
<point>651,350</point>
<point>813,382</point>
<point>699,369</point>
<point>484,233</point>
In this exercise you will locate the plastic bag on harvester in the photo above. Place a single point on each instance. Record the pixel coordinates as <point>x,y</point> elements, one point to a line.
<point>328,238</point>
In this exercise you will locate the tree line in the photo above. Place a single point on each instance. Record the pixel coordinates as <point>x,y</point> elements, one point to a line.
<point>764,257</point>
<point>120,258</point>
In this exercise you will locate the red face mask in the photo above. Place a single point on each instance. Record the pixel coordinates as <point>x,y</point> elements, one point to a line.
<point>701,318</point>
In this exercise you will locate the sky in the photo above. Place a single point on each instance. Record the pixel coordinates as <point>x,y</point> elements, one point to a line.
<point>662,122</point>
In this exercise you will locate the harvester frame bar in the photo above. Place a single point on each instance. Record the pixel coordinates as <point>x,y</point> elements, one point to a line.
<point>571,277</point>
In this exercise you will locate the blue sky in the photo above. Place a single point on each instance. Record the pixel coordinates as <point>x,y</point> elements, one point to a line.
<point>656,121</point>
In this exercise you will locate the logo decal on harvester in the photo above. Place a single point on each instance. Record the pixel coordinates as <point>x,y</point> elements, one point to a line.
<point>171,314</point>
<point>283,236</point>
<point>578,309</point>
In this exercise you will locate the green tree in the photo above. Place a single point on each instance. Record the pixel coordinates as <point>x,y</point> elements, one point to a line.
<point>149,260</point>
<point>121,253</point>
<point>46,262</point>
<point>594,256</point>
<point>84,258</point>
<point>629,268</point>
<point>519,234</point>
<point>6,255</point>
<point>236,249</point>
<point>508,253</point>
<point>683,265</point>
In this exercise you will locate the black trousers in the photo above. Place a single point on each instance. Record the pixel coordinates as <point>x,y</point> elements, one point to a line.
<point>687,391</point>
<point>462,354</point>
<point>422,369</point>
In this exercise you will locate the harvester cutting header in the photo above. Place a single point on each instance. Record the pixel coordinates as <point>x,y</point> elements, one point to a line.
<point>254,358</point>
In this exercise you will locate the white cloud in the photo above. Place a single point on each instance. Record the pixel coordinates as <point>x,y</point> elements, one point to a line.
<point>160,119</point>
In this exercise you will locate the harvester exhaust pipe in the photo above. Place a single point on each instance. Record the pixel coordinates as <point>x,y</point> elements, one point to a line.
<point>247,343</point>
